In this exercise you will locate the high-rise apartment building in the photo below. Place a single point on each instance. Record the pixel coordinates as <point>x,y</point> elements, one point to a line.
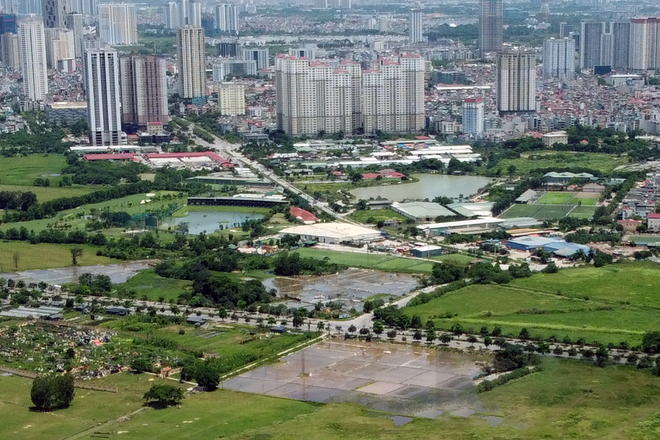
<point>143,85</point>
<point>11,57</point>
<point>85,7</point>
<point>559,58</point>
<point>10,7</point>
<point>491,25</point>
<point>312,97</point>
<point>258,54</point>
<point>415,26</point>
<point>226,19</point>
<point>27,7</point>
<point>393,95</point>
<point>516,82</point>
<point>118,24</point>
<point>222,69</point>
<point>172,20</point>
<point>190,13</point>
<point>77,25</point>
<point>33,58</point>
<point>606,49</point>
<point>590,44</point>
<point>473,116</point>
<point>54,12</point>
<point>191,61</point>
<point>231,99</point>
<point>60,45</point>
<point>101,70</point>
<point>644,43</point>
<point>621,44</point>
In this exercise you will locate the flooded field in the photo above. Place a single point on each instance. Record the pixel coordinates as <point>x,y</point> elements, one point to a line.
<point>118,273</point>
<point>401,379</point>
<point>350,287</point>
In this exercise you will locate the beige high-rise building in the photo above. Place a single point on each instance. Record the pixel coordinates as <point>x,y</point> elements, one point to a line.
<point>516,82</point>
<point>312,96</point>
<point>143,85</point>
<point>118,24</point>
<point>191,61</point>
<point>491,25</point>
<point>10,51</point>
<point>231,99</point>
<point>33,58</point>
<point>393,95</point>
<point>315,96</point>
<point>60,45</point>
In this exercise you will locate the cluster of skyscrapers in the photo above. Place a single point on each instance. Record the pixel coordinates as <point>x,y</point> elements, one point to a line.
<point>182,13</point>
<point>327,96</point>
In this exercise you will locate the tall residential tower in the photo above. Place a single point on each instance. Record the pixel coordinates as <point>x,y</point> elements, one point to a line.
<point>191,60</point>
<point>33,58</point>
<point>491,25</point>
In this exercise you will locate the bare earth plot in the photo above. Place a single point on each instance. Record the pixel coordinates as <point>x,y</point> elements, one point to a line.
<point>393,378</point>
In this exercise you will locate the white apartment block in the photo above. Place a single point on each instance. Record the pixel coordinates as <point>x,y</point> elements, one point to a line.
<point>473,116</point>
<point>101,71</point>
<point>33,59</point>
<point>313,97</point>
<point>516,82</point>
<point>393,95</point>
<point>118,24</point>
<point>559,58</point>
<point>231,99</point>
<point>11,57</point>
<point>226,19</point>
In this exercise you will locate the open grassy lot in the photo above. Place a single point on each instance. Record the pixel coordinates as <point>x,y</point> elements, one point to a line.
<point>230,340</point>
<point>568,399</point>
<point>45,256</point>
<point>147,282</point>
<point>461,259</point>
<point>88,410</point>
<point>23,170</point>
<point>610,304</point>
<point>377,215</point>
<point>387,263</point>
<point>45,194</point>
<point>130,204</point>
<point>597,161</point>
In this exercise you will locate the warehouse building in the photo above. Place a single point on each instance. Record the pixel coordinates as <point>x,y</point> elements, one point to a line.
<point>554,245</point>
<point>422,211</point>
<point>475,226</point>
<point>426,251</point>
<point>333,233</point>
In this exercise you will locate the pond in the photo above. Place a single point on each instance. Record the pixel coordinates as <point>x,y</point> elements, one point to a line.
<point>210,221</point>
<point>427,186</point>
<point>349,287</point>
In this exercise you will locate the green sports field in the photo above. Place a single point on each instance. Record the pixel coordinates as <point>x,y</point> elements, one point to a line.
<point>548,212</point>
<point>610,304</point>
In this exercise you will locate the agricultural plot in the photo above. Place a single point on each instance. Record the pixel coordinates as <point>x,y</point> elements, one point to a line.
<point>388,263</point>
<point>610,304</point>
<point>155,287</point>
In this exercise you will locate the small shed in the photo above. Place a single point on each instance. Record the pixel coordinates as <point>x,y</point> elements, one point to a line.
<point>278,329</point>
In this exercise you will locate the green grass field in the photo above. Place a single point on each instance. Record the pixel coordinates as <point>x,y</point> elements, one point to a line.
<point>610,304</point>
<point>568,399</point>
<point>129,204</point>
<point>183,211</point>
<point>377,215</point>
<point>461,259</point>
<point>45,256</point>
<point>388,263</point>
<point>23,170</point>
<point>568,198</point>
<point>88,410</point>
<point>597,161</point>
<point>45,194</point>
<point>548,212</point>
<point>147,282</point>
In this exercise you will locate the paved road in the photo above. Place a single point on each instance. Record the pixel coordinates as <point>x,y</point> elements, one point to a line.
<point>231,152</point>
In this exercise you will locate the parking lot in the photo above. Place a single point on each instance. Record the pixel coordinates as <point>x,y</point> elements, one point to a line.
<point>388,377</point>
